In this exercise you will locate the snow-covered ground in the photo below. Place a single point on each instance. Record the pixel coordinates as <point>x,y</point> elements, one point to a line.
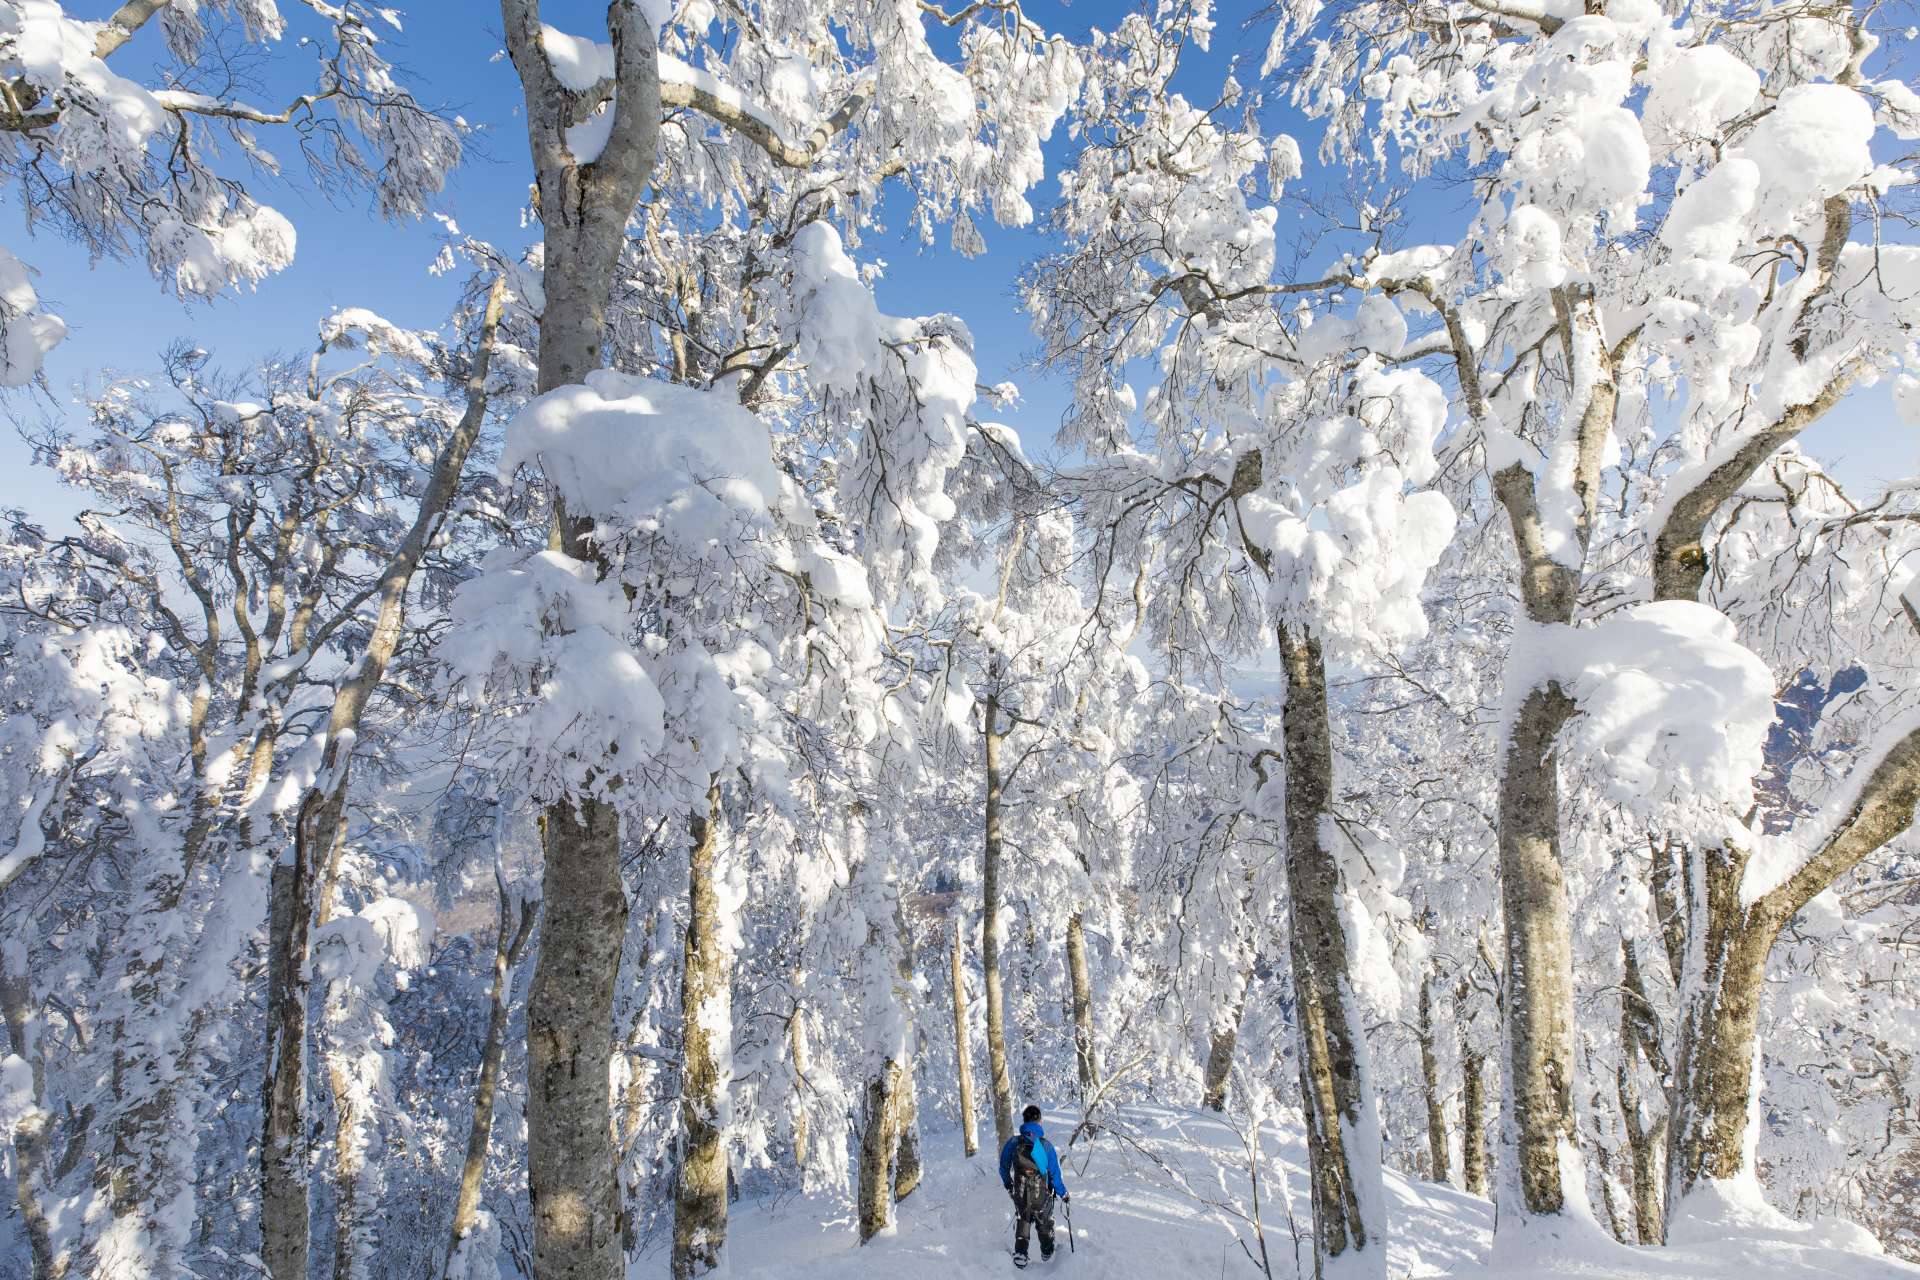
<point>1170,1199</point>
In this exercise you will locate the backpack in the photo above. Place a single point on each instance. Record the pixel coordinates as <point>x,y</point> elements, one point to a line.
<point>1031,1190</point>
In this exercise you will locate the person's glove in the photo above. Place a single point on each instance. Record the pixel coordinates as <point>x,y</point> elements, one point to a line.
<point>1065,1198</point>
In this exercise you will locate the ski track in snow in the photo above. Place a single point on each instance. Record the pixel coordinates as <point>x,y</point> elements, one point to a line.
<point>1134,1222</point>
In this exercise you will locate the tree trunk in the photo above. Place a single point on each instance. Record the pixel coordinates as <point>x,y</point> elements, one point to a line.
<point>283,1157</point>
<point>1001,1083</point>
<point>906,1164</point>
<point>1343,1133</point>
<point>584,209</point>
<point>1537,1116</point>
<point>1213,1090</point>
<point>906,1101</point>
<point>509,943</point>
<point>802,1053</point>
<point>1537,1113</point>
<point>889,1152</point>
<point>879,1145</point>
<point>700,1192</point>
<point>1639,1038</point>
<point>962,1048</point>
<point>349,1162</point>
<point>1085,1055</point>
<point>570,1159</point>
<point>1709,1135</point>
<point>1473,1132</point>
<point>1437,1153</point>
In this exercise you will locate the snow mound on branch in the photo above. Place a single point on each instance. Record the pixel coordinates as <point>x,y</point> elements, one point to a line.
<point>844,328</point>
<point>1692,94</point>
<point>909,384</point>
<point>545,628</point>
<point>1812,145</point>
<point>578,63</point>
<point>1708,219</point>
<point>27,333</point>
<point>1676,707</point>
<point>649,452</point>
<point>1355,565</point>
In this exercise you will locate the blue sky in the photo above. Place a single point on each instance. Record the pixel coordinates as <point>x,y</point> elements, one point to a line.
<point>120,318</point>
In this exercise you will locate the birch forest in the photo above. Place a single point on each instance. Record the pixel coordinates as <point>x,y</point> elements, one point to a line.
<point>1395,721</point>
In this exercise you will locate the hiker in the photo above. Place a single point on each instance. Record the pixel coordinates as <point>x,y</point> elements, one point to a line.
<point>1030,1171</point>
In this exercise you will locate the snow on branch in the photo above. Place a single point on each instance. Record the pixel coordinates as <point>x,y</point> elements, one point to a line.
<point>1875,804</point>
<point>685,86</point>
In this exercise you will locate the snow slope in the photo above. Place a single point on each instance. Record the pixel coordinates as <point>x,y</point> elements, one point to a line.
<point>1169,1198</point>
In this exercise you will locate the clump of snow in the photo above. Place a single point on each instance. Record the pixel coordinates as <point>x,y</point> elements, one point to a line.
<point>578,63</point>
<point>1353,566</point>
<point>910,384</point>
<point>1531,247</point>
<point>250,243</point>
<point>554,637</point>
<point>1813,144</point>
<point>1693,93</point>
<point>1709,218</point>
<point>1673,707</point>
<point>842,324</point>
<point>349,325</point>
<point>27,333</point>
<point>648,451</point>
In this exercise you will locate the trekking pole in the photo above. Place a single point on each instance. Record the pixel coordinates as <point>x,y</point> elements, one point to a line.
<point>1066,1207</point>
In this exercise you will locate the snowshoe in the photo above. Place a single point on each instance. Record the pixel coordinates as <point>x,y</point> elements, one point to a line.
<point>1020,1261</point>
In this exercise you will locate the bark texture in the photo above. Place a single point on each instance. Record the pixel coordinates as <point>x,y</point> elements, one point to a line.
<point>800,1047</point>
<point>1343,1155</point>
<point>1640,1042</point>
<point>570,1157</point>
<point>1539,958</point>
<point>1473,1126</point>
<point>906,1163</point>
<point>700,1191</point>
<point>906,1100</point>
<point>879,1146</point>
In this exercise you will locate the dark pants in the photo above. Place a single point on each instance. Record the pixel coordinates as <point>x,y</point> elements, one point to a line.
<point>1042,1220</point>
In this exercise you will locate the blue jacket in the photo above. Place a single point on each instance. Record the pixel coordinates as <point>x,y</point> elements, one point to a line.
<point>1043,1155</point>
